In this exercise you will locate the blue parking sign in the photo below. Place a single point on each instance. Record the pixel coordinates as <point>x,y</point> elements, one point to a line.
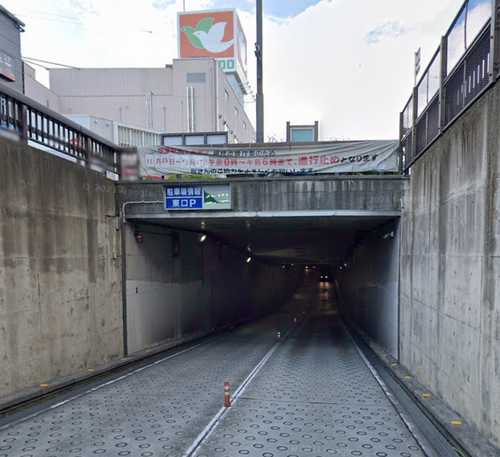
<point>212,197</point>
<point>183,198</point>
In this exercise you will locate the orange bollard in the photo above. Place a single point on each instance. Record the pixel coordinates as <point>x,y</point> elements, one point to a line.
<point>227,395</point>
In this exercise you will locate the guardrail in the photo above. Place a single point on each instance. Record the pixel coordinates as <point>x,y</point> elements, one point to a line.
<point>32,122</point>
<point>462,68</point>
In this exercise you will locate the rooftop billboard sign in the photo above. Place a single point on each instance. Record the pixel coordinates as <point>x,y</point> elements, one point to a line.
<point>214,34</point>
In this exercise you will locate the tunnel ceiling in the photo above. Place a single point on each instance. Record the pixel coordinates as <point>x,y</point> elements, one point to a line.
<point>320,240</point>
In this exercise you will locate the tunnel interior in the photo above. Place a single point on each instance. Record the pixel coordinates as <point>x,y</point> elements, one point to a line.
<point>188,276</point>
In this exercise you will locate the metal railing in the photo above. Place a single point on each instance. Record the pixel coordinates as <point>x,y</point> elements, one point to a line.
<point>32,122</point>
<point>462,68</point>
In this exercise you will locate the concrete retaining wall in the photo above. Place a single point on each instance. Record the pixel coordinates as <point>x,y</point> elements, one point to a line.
<point>370,287</point>
<point>60,268</point>
<point>450,268</point>
<point>205,286</point>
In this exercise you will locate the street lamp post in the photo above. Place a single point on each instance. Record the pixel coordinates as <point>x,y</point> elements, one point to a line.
<point>260,80</point>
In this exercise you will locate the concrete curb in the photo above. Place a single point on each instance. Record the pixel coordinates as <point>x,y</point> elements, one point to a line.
<point>57,384</point>
<point>35,393</point>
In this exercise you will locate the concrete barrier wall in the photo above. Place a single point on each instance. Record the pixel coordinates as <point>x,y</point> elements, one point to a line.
<point>60,279</point>
<point>450,268</point>
<point>369,287</point>
<point>206,286</point>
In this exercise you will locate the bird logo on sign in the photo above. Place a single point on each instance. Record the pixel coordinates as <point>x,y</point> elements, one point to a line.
<point>208,35</point>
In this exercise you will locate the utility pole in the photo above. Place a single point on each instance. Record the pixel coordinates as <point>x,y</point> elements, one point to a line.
<point>260,79</point>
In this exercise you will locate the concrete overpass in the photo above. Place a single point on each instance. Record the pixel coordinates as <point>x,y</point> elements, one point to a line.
<point>297,220</point>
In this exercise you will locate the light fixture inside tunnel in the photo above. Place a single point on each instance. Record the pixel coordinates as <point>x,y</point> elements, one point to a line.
<point>139,237</point>
<point>203,238</point>
<point>248,259</point>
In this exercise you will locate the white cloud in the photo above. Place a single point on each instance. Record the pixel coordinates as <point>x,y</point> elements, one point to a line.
<point>319,65</point>
<point>392,29</point>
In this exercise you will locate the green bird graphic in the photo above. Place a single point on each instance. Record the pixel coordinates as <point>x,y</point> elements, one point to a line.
<point>204,25</point>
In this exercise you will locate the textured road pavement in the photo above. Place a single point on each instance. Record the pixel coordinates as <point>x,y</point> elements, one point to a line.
<point>315,396</point>
<point>156,412</point>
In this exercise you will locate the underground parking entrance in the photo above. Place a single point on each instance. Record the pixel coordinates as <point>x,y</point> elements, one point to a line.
<point>189,271</point>
<point>321,253</point>
<point>329,274</point>
<point>259,287</point>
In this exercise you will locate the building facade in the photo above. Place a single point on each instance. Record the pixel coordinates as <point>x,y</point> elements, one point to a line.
<point>11,65</point>
<point>118,132</point>
<point>191,95</point>
<point>37,91</point>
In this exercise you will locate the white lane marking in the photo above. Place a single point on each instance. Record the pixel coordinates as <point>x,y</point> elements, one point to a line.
<point>212,425</point>
<point>417,435</point>
<point>100,386</point>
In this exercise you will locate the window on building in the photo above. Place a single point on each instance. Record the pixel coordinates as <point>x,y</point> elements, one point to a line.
<point>172,140</point>
<point>244,125</point>
<point>196,77</point>
<point>236,112</point>
<point>195,140</point>
<point>302,135</point>
<point>216,139</point>
<point>226,95</point>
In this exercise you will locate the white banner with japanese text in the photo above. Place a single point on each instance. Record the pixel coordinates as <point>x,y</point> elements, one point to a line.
<point>221,161</point>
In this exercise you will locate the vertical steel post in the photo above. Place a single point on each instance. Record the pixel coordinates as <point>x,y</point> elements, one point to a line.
<point>260,79</point>
<point>401,125</point>
<point>124,229</point>
<point>23,122</point>
<point>86,150</point>
<point>442,76</point>
<point>414,109</point>
<point>401,128</point>
<point>495,41</point>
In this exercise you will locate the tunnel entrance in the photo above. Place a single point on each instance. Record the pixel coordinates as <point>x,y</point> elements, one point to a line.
<point>190,274</point>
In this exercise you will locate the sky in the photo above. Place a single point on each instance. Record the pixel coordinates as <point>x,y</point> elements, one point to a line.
<point>346,63</point>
